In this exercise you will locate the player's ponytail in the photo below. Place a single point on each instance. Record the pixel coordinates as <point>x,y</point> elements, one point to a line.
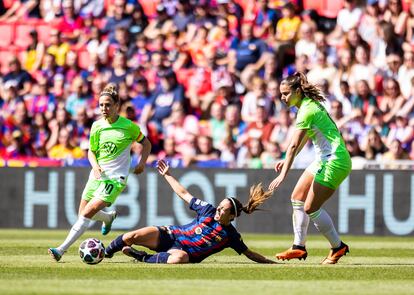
<point>299,81</point>
<point>111,91</point>
<point>257,197</point>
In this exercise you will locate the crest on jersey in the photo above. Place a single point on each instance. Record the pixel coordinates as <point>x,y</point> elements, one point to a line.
<point>198,230</point>
<point>110,147</point>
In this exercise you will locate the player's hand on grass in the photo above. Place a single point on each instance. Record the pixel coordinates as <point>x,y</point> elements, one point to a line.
<point>97,172</point>
<point>279,165</point>
<point>139,168</point>
<point>276,182</point>
<point>163,167</point>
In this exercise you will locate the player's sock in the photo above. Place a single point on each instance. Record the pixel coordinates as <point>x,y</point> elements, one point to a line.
<point>300,222</point>
<point>324,224</point>
<point>103,216</point>
<point>115,246</point>
<point>294,247</point>
<point>75,232</point>
<point>161,257</point>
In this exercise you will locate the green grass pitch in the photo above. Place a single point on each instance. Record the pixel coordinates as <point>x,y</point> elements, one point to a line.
<point>376,265</point>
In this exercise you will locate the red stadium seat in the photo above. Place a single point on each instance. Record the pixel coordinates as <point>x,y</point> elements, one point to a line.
<point>149,7</point>
<point>43,31</point>
<point>326,8</point>
<point>5,55</point>
<point>6,33</point>
<point>22,38</point>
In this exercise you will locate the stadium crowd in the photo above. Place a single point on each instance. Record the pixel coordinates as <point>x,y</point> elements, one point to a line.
<point>201,77</point>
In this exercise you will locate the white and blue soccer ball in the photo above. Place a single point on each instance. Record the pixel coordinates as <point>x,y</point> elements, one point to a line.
<point>91,251</point>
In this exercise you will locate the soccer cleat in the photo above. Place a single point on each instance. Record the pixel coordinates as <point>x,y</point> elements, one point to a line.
<point>106,228</point>
<point>336,253</point>
<point>292,254</point>
<point>54,253</point>
<point>108,255</point>
<point>134,253</point>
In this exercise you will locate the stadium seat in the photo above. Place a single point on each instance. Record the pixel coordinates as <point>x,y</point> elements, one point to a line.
<point>149,7</point>
<point>43,30</point>
<point>326,8</point>
<point>5,55</point>
<point>6,33</point>
<point>22,38</point>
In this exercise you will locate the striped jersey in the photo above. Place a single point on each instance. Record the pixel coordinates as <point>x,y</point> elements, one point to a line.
<point>204,236</point>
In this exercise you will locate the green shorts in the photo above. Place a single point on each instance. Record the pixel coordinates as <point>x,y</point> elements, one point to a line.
<point>330,173</point>
<point>106,190</point>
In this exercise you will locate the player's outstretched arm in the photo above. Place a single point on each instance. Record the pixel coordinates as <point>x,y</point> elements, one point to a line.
<point>256,257</point>
<point>163,169</point>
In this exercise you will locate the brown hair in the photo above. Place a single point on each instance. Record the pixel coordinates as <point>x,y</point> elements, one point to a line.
<point>299,81</point>
<point>111,90</point>
<point>257,197</point>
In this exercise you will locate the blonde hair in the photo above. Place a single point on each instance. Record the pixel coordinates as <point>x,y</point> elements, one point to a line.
<point>111,90</point>
<point>257,197</point>
<point>299,81</point>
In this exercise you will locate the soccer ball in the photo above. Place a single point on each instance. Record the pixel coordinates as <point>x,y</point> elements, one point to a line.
<point>91,251</point>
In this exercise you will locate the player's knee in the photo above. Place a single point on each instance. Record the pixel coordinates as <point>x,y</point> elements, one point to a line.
<point>130,237</point>
<point>177,258</point>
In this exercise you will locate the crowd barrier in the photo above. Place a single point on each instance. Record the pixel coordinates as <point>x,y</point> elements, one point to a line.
<point>367,203</point>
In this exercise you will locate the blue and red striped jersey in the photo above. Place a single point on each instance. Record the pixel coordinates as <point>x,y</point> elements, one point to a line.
<point>204,236</point>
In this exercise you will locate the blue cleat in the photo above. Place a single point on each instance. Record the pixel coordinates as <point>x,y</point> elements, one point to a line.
<point>106,228</point>
<point>55,254</point>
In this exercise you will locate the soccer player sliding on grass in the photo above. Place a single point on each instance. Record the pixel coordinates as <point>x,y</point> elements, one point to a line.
<point>210,232</point>
<point>320,180</point>
<point>109,154</point>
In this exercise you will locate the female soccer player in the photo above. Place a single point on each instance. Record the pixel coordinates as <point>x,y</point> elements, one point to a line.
<point>322,177</point>
<point>109,154</point>
<point>209,233</point>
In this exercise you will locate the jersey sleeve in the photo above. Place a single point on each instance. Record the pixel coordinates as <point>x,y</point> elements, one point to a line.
<point>236,242</point>
<point>304,118</point>
<point>136,133</point>
<point>202,208</point>
<point>94,138</point>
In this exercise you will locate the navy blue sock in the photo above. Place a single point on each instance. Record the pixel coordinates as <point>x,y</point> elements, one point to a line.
<point>115,246</point>
<point>161,257</point>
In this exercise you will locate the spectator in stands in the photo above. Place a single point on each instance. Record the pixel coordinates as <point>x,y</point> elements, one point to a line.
<point>163,100</point>
<point>251,158</point>
<point>216,126</point>
<point>252,98</point>
<point>348,18</point>
<point>85,7</point>
<point>265,19</point>
<point>22,9</point>
<point>402,131</point>
<point>322,70</point>
<point>170,154</point>
<point>43,101</point>
<point>17,147</point>
<point>184,15</point>
<point>205,152</point>
<point>260,128</point>
<point>10,99</point>
<point>235,126</point>
<point>271,154</point>
<point>139,21</point>
<point>306,39</point>
<point>160,25</point>
<point>392,100</point>
<point>82,124</point>
<point>369,22</point>
<point>395,152</point>
<point>283,129</point>
<point>118,19</point>
<point>57,47</point>
<point>70,24</point>
<point>79,96</point>
<point>97,45</point>
<point>40,134</point>
<point>119,70</point>
<point>34,53</point>
<point>396,16</point>
<point>406,73</point>
<point>286,33</point>
<point>247,50</point>
<point>372,145</point>
<point>142,98</point>
<point>20,77</point>
<point>64,149</point>
<point>362,69</point>
<point>364,102</point>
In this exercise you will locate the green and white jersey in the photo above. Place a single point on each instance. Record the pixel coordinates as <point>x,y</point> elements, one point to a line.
<point>321,129</point>
<point>112,143</point>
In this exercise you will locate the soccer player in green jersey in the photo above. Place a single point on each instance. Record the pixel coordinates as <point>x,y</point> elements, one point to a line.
<point>109,154</point>
<point>320,180</point>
